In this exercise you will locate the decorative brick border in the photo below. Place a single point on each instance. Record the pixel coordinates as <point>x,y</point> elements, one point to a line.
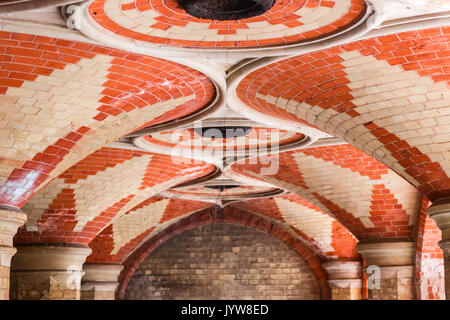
<point>189,139</point>
<point>167,16</point>
<point>229,216</point>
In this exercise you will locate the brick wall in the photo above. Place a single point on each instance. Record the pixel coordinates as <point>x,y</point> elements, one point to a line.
<point>223,262</point>
<point>430,281</point>
<point>4,283</point>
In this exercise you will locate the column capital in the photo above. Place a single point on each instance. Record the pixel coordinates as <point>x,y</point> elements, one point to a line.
<point>387,253</point>
<point>344,279</point>
<point>440,212</point>
<point>5,255</point>
<point>11,219</point>
<point>344,274</point>
<point>49,272</point>
<point>104,275</point>
<point>445,246</point>
<point>50,257</point>
<point>100,281</point>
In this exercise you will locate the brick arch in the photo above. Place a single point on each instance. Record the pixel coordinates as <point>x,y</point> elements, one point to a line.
<point>328,238</point>
<point>76,206</point>
<point>388,96</point>
<point>227,216</point>
<point>63,100</point>
<point>329,177</point>
<point>132,229</point>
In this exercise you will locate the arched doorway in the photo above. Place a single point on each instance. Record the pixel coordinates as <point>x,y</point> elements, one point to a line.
<point>223,261</point>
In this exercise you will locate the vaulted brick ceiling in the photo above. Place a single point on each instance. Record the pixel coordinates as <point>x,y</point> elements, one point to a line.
<point>132,229</point>
<point>365,196</point>
<point>62,100</point>
<point>164,22</point>
<point>327,237</point>
<point>86,198</point>
<point>67,109</point>
<point>388,96</point>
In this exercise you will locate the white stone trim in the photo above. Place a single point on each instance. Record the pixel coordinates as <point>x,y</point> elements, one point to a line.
<point>384,254</point>
<point>49,258</point>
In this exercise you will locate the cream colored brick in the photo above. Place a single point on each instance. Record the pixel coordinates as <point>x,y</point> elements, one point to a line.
<point>313,223</point>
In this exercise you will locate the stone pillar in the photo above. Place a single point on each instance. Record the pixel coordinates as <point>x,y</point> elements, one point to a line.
<point>10,220</point>
<point>389,268</point>
<point>100,281</point>
<point>344,279</point>
<point>440,212</point>
<point>47,272</point>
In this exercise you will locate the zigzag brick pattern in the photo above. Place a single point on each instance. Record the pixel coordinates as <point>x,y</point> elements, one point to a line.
<point>85,199</point>
<point>127,233</point>
<point>388,96</point>
<point>62,100</point>
<point>321,232</point>
<point>370,200</point>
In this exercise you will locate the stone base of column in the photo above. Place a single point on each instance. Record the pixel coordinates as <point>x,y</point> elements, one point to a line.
<point>440,212</point>
<point>10,220</point>
<point>100,281</point>
<point>389,268</point>
<point>5,259</point>
<point>397,283</point>
<point>344,279</point>
<point>47,272</point>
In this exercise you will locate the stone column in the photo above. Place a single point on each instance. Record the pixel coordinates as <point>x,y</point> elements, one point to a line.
<point>344,279</point>
<point>440,212</point>
<point>389,268</point>
<point>100,281</point>
<point>47,272</point>
<point>10,220</point>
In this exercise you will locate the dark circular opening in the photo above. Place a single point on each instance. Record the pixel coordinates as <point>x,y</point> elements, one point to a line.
<point>226,9</point>
<point>224,187</point>
<point>223,132</point>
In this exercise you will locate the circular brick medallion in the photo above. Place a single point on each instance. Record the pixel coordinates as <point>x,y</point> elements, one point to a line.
<point>257,137</point>
<point>166,22</point>
<point>211,191</point>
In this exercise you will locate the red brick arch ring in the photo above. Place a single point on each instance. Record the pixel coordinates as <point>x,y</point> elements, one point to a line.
<point>162,17</point>
<point>227,216</point>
